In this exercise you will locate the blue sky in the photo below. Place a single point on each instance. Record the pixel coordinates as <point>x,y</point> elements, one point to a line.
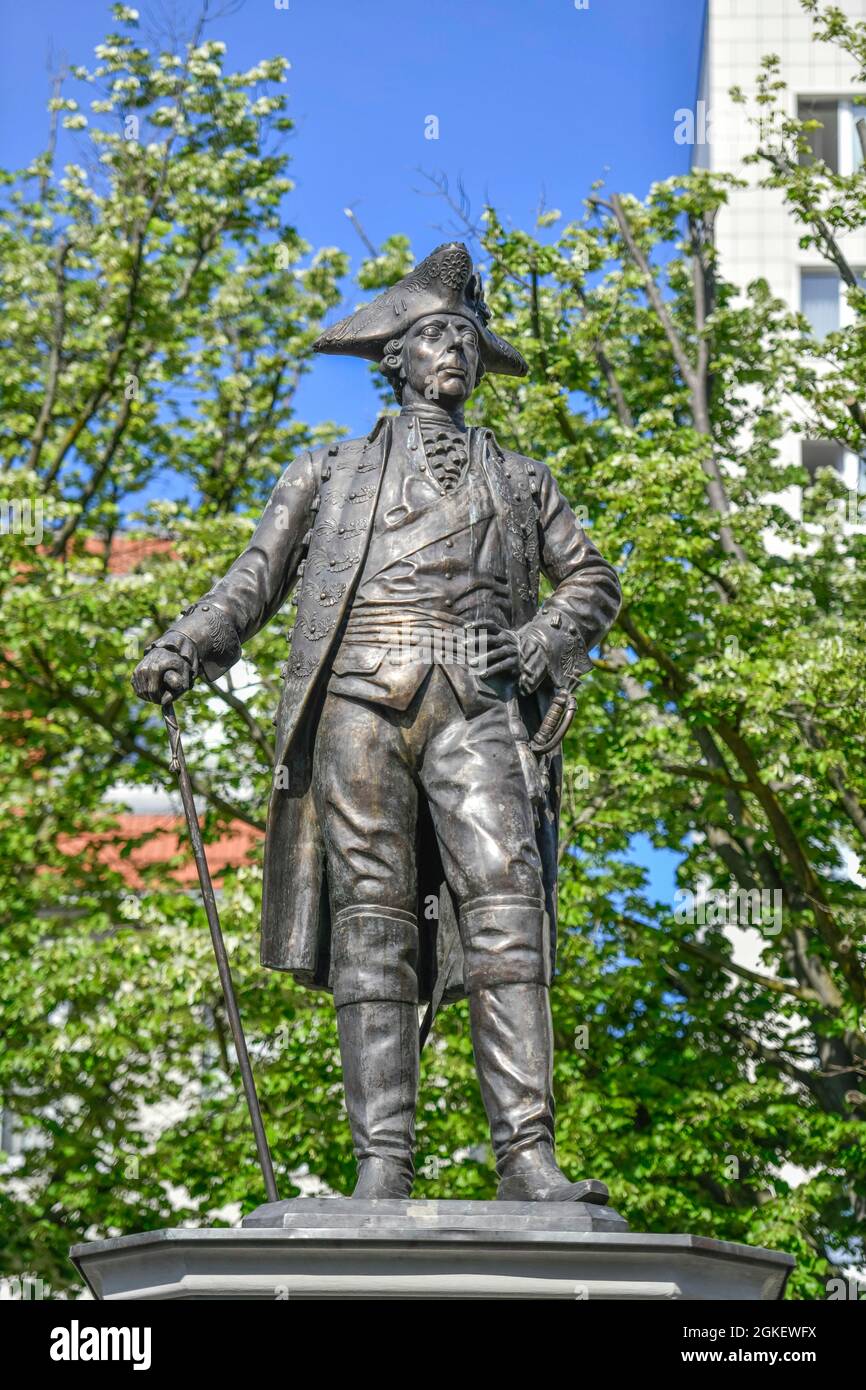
<point>535,99</point>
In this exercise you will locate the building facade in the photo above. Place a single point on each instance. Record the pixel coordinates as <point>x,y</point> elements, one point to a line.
<point>756,233</point>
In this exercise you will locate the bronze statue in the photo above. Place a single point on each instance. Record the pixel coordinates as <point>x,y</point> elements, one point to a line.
<point>411,852</point>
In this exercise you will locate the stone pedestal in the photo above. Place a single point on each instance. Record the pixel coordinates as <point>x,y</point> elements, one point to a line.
<point>339,1248</point>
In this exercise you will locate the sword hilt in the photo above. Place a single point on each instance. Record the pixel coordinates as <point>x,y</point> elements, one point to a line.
<point>555,724</point>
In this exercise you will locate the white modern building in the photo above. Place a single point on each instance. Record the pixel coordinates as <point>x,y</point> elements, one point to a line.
<point>756,233</point>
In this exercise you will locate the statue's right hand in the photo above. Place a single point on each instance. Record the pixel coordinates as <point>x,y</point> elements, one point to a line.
<point>162,672</point>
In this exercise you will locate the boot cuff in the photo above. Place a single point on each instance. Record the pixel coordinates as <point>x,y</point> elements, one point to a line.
<point>505,941</point>
<point>375,955</point>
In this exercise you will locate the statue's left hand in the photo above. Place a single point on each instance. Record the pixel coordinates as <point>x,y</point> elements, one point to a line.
<point>522,654</point>
<point>533,662</point>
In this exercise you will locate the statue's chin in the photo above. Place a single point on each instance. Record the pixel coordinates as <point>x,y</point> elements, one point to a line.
<point>454,388</point>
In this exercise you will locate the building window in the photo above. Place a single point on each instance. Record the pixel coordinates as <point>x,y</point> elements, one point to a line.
<point>838,141</point>
<point>824,142</point>
<point>819,300</point>
<point>822,453</point>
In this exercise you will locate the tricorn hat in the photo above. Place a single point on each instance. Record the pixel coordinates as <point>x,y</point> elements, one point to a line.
<point>444,283</point>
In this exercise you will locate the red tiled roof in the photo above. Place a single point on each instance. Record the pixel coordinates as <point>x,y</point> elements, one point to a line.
<point>128,551</point>
<point>167,835</point>
<point>167,838</point>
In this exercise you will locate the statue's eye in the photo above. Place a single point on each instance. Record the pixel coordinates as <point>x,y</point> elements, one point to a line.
<point>431,331</point>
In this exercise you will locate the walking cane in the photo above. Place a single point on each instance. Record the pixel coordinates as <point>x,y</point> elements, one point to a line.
<point>178,765</point>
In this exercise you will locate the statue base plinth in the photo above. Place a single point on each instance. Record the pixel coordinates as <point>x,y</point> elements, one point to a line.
<point>340,1248</point>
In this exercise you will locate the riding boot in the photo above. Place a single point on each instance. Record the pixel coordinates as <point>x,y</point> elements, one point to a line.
<point>376,993</point>
<point>505,947</point>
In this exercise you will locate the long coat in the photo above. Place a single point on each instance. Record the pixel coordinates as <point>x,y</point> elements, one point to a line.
<point>314,533</point>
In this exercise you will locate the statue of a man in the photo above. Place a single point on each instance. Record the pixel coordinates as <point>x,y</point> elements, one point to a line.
<point>411,852</point>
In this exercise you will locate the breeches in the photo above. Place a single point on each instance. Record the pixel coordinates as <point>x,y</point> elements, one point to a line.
<point>371,765</point>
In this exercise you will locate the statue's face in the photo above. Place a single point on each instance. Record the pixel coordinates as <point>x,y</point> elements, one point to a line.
<point>440,357</point>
